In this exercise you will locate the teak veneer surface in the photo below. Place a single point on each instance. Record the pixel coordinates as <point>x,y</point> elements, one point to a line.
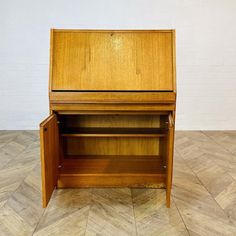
<point>112,97</point>
<point>107,165</point>
<point>110,172</point>
<point>110,145</point>
<point>115,132</point>
<point>49,136</point>
<point>115,60</point>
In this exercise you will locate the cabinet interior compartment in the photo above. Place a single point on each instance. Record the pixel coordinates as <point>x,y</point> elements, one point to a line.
<point>113,144</point>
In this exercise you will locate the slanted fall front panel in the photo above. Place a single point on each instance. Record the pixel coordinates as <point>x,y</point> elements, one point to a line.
<point>112,60</point>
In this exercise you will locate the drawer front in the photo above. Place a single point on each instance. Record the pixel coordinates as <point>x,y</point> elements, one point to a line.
<point>96,107</point>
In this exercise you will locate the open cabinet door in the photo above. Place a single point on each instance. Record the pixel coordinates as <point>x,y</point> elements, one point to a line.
<point>170,151</point>
<point>49,143</point>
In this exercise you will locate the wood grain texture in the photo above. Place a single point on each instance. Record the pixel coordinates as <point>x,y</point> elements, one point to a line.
<point>117,217</point>
<point>73,108</point>
<point>112,97</point>
<point>121,86</point>
<point>169,160</point>
<point>201,173</point>
<point>106,165</point>
<point>111,121</point>
<point>49,138</point>
<point>203,194</point>
<point>112,172</point>
<point>125,60</point>
<point>112,146</point>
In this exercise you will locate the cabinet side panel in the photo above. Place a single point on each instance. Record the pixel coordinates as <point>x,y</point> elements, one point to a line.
<point>174,60</point>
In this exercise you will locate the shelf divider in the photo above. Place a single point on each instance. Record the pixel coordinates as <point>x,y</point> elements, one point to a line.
<point>114,132</point>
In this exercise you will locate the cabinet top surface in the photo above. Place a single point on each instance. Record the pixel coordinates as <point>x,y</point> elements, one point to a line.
<point>112,60</point>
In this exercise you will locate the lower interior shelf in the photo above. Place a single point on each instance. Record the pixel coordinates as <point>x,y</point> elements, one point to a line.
<point>112,165</point>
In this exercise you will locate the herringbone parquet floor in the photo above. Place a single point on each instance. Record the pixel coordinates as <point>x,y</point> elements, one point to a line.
<point>203,195</point>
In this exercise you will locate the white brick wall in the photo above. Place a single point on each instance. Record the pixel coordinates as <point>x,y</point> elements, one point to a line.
<point>206,53</point>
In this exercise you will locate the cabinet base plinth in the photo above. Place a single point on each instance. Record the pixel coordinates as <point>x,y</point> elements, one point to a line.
<point>140,181</point>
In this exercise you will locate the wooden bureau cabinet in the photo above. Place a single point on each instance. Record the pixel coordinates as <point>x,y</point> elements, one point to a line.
<point>112,100</point>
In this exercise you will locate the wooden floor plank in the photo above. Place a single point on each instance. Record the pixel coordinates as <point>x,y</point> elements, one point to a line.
<point>203,196</point>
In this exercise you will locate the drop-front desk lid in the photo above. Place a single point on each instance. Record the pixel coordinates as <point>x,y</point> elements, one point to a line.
<point>112,60</point>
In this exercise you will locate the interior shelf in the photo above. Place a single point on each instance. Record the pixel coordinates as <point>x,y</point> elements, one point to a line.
<point>105,165</point>
<point>114,132</point>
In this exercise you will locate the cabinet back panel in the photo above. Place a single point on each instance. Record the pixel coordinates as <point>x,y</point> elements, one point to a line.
<point>130,121</point>
<point>115,60</point>
<point>112,146</point>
